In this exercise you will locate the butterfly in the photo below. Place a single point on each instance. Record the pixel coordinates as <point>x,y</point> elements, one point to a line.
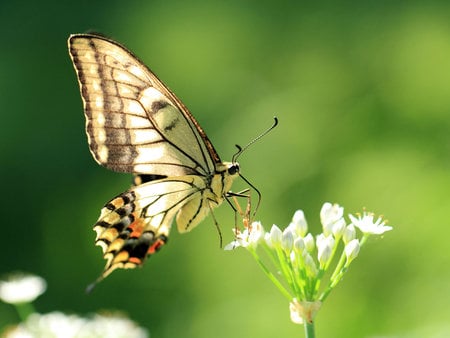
<point>135,124</point>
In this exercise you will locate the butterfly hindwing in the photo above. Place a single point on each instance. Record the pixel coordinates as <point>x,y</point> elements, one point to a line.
<point>137,223</point>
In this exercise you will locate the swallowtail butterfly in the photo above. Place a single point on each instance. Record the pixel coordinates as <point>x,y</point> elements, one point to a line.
<point>135,124</point>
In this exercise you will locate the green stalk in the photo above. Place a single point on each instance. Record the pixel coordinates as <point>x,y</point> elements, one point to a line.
<point>309,329</point>
<point>24,310</point>
<point>271,276</point>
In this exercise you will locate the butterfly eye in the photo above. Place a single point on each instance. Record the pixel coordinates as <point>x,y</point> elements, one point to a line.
<point>234,169</point>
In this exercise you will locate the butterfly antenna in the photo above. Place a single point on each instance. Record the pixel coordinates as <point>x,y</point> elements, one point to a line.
<point>241,150</point>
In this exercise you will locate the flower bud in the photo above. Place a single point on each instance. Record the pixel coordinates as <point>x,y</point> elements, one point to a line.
<point>352,250</point>
<point>310,265</point>
<point>309,242</point>
<point>299,244</point>
<point>287,239</point>
<point>329,214</point>
<point>273,238</point>
<point>349,233</point>
<point>338,228</point>
<point>298,224</point>
<point>324,255</point>
<point>324,248</point>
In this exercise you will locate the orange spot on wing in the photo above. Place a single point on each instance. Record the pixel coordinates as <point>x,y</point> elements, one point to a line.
<point>135,260</point>
<point>137,228</point>
<point>155,246</point>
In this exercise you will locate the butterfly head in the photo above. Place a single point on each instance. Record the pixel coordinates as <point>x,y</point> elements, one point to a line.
<point>233,168</point>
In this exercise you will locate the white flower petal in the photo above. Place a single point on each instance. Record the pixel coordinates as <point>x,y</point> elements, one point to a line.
<point>366,224</point>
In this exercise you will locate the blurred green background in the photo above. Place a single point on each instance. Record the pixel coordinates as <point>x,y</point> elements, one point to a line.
<point>362,92</point>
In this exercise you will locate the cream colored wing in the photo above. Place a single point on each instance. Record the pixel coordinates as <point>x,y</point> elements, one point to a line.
<point>134,122</point>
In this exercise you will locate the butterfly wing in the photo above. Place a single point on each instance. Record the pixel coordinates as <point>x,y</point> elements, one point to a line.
<point>134,122</point>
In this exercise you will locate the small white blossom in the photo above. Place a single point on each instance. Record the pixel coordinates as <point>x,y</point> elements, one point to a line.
<point>329,215</point>
<point>232,245</point>
<point>352,250</point>
<point>287,240</point>
<point>366,224</point>
<point>273,238</point>
<point>298,224</point>
<point>323,240</point>
<point>310,266</point>
<point>299,244</point>
<point>309,242</point>
<point>324,249</point>
<point>324,255</point>
<point>349,233</point>
<point>250,237</point>
<point>338,228</point>
<point>21,288</point>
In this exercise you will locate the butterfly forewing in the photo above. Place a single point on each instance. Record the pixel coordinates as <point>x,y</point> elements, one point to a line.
<point>133,122</point>
<point>136,124</point>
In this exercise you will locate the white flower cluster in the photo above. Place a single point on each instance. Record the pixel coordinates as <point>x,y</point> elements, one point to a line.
<point>303,259</point>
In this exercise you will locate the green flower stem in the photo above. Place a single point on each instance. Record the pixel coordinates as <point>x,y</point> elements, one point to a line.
<point>315,285</point>
<point>286,269</point>
<point>24,310</point>
<point>363,239</point>
<point>339,266</point>
<point>309,330</point>
<point>271,276</point>
<point>333,283</point>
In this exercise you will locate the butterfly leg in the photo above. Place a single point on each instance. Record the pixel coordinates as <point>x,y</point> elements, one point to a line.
<point>216,223</point>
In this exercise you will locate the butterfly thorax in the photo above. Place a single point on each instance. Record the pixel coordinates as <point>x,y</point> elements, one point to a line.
<point>223,178</point>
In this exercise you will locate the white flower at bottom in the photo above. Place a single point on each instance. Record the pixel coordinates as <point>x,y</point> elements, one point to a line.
<point>58,324</point>
<point>366,224</point>
<point>54,324</point>
<point>21,288</point>
<point>113,325</point>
